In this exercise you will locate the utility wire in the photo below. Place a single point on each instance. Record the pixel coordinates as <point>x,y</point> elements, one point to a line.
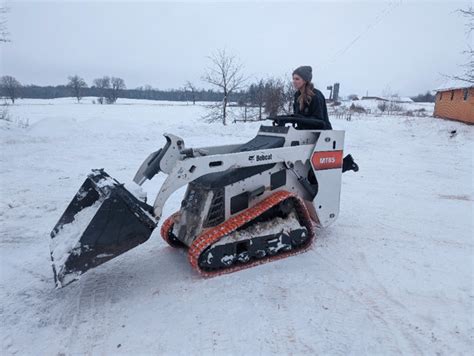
<point>386,11</point>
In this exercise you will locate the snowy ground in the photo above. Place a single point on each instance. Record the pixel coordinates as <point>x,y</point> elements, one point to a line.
<point>393,275</point>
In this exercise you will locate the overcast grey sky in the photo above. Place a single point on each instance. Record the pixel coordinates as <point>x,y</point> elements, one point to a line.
<point>366,46</point>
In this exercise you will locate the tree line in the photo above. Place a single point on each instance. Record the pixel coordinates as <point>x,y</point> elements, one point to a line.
<point>106,89</point>
<point>269,96</point>
<point>224,73</point>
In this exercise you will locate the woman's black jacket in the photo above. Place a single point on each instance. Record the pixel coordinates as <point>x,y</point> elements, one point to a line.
<point>316,110</point>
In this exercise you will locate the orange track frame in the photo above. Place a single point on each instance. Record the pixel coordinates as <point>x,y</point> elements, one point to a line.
<point>213,234</point>
<point>166,227</point>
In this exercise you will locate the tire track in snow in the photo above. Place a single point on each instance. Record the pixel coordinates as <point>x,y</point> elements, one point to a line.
<point>29,307</point>
<point>374,314</point>
<point>7,346</point>
<point>392,310</point>
<point>293,343</point>
<point>91,322</point>
<point>388,309</point>
<point>384,314</point>
<point>345,326</point>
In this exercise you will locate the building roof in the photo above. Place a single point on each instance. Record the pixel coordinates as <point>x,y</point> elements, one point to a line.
<point>404,99</point>
<point>452,84</point>
<point>373,98</point>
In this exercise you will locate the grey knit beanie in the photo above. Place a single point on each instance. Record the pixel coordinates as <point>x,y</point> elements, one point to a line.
<point>305,72</point>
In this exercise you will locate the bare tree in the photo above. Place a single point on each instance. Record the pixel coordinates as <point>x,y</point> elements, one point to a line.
<point>468,75</point>
<point>244,103</point>
<point>148,90</point>
<point>190,86</point>
<point>274,97</point>
<point>288,97</point>
<point>3,25</point>
<point>10,87</point>
<point>390,95</point>
<point>382,106</point>
<point>103,85</point>
<point>257,96</point>
<point>225,73</point>
<point>76,83</point>
<point>394,107</point>
<point>116,85</point>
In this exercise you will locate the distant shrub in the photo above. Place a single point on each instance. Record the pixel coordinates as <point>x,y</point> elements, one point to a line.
<point>357,109</point>
<point>420,112</point>
<point>4,115</point>
<point>22,123</point>
<point>341,112</point>
<point>394,107</point>
<point>382,106</point>
<point>110,100</point>
<point>416,113</point>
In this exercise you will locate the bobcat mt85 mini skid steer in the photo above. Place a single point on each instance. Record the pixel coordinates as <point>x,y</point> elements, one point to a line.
<point>245,204</point>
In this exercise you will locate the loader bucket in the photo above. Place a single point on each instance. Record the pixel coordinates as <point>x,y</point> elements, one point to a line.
<point>102,221</point>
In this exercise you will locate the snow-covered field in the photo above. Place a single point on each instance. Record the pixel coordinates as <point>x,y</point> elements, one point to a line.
<point>393,275</point>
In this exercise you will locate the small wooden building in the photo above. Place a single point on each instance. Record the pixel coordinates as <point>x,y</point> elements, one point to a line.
<point>455,103</point>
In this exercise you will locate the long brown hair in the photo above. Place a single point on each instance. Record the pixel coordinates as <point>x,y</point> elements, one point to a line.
<point>306,94</point>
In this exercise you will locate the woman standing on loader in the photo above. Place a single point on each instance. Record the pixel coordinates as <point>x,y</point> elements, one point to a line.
<point>309,102</point>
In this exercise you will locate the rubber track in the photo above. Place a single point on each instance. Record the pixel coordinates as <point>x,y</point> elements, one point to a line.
<point>166,227</point>
<point>212,235</point>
